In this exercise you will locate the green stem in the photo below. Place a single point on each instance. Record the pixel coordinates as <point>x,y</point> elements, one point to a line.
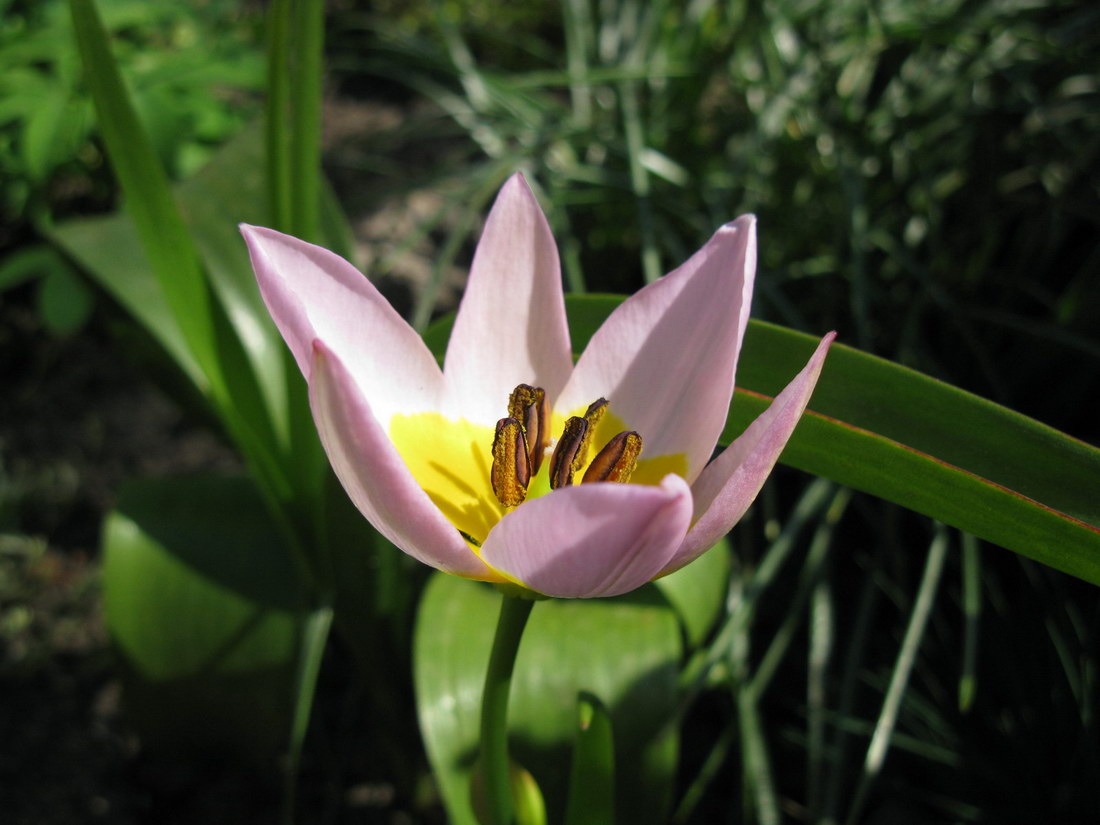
<point>494,708</point>
<point>311,650</point>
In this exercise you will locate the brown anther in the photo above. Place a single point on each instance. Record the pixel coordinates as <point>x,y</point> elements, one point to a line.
<point>569,452</point>
<point>617,460</point>
<point>527,404</point>
<point>511,471</point>
<point>595,412</point>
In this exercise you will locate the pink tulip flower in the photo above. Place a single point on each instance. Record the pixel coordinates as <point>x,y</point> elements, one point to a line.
<point>512,464</point>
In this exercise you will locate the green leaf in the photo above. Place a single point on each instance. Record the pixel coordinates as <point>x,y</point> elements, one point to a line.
<point>885,429</point>
<point>164,237</point>
<point>64,302</point>
<point>53,131</point>
<point>205,609</point>
<point>698,591</point>
<point>592,780</point>
<point>888,430</point>
<point>108,249</point>
<point>624,651</point>
<point>29,262</point>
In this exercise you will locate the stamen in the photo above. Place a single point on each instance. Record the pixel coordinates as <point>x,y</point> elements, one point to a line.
<point>617,460</point>
<point>527,404</point>
<point>595,412</point>
<point>511,471</point>
<point>569,452</point>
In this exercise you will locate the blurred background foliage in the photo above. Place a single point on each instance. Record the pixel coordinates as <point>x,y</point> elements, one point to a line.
<point>926,176</point>
<point>195,70</point>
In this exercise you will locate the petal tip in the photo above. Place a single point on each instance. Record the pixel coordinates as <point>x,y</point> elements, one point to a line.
<point>742,223</point>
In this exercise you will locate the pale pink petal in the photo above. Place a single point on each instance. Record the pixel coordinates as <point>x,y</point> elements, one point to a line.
<point>729,485</point>
<point>666,357</point>
<point>598,539</point>
<point>314,294</point>
<point>511,326</point>
<point>375,476</point>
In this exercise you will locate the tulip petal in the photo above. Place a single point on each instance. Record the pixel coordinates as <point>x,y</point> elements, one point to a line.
<point>314,294</point>
<point>598,539</point>
<point>511,326</point>
<point>666,357</point>
<point>375,476</point>
<point>729,485</point>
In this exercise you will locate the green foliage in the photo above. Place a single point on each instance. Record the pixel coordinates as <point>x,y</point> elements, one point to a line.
<point>191,67</point>
<point>914,166</point>
<point>624,651</point>
<point>592,778</point>
<point>206,608</point>
<point>64,302</point>
<point>191,90</point>
<point>921,172</point>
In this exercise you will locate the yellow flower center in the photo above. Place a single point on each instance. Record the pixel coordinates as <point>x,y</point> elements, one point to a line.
<point>453,460</point>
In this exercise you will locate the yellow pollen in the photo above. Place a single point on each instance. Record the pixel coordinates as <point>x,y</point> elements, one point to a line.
<point>452,461</point>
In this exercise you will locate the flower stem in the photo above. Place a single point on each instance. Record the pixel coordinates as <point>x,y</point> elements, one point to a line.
<point>495,768</point>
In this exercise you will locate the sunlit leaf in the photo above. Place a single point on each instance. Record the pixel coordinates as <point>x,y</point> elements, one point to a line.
<point>205,609</point>
<point>624,651</point>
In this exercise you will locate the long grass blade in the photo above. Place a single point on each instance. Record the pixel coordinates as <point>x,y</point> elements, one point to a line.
<point>310,653</point>
<point>820,655</point>
<point>759,784</point>
<point>972,609</point>
<point>807,580</point>
<point>903,667</point>
<point>172,254</point>
<point>856,641</point>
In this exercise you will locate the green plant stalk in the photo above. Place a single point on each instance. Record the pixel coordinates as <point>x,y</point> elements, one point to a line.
<point>315,634</point>
<point>296,37</point>
<point>277,116</point>
<point>293,127</point>
<point>495,766</point>
<point>308,42</point>
<point>972,609</point>
<point>821,630</point>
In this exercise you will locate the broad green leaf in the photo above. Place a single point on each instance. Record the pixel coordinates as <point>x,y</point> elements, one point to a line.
<point>888,430</point>
<point>624,651</point>
<point>64,302</point>
<point>205,609</point>
<point>698,591</point>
